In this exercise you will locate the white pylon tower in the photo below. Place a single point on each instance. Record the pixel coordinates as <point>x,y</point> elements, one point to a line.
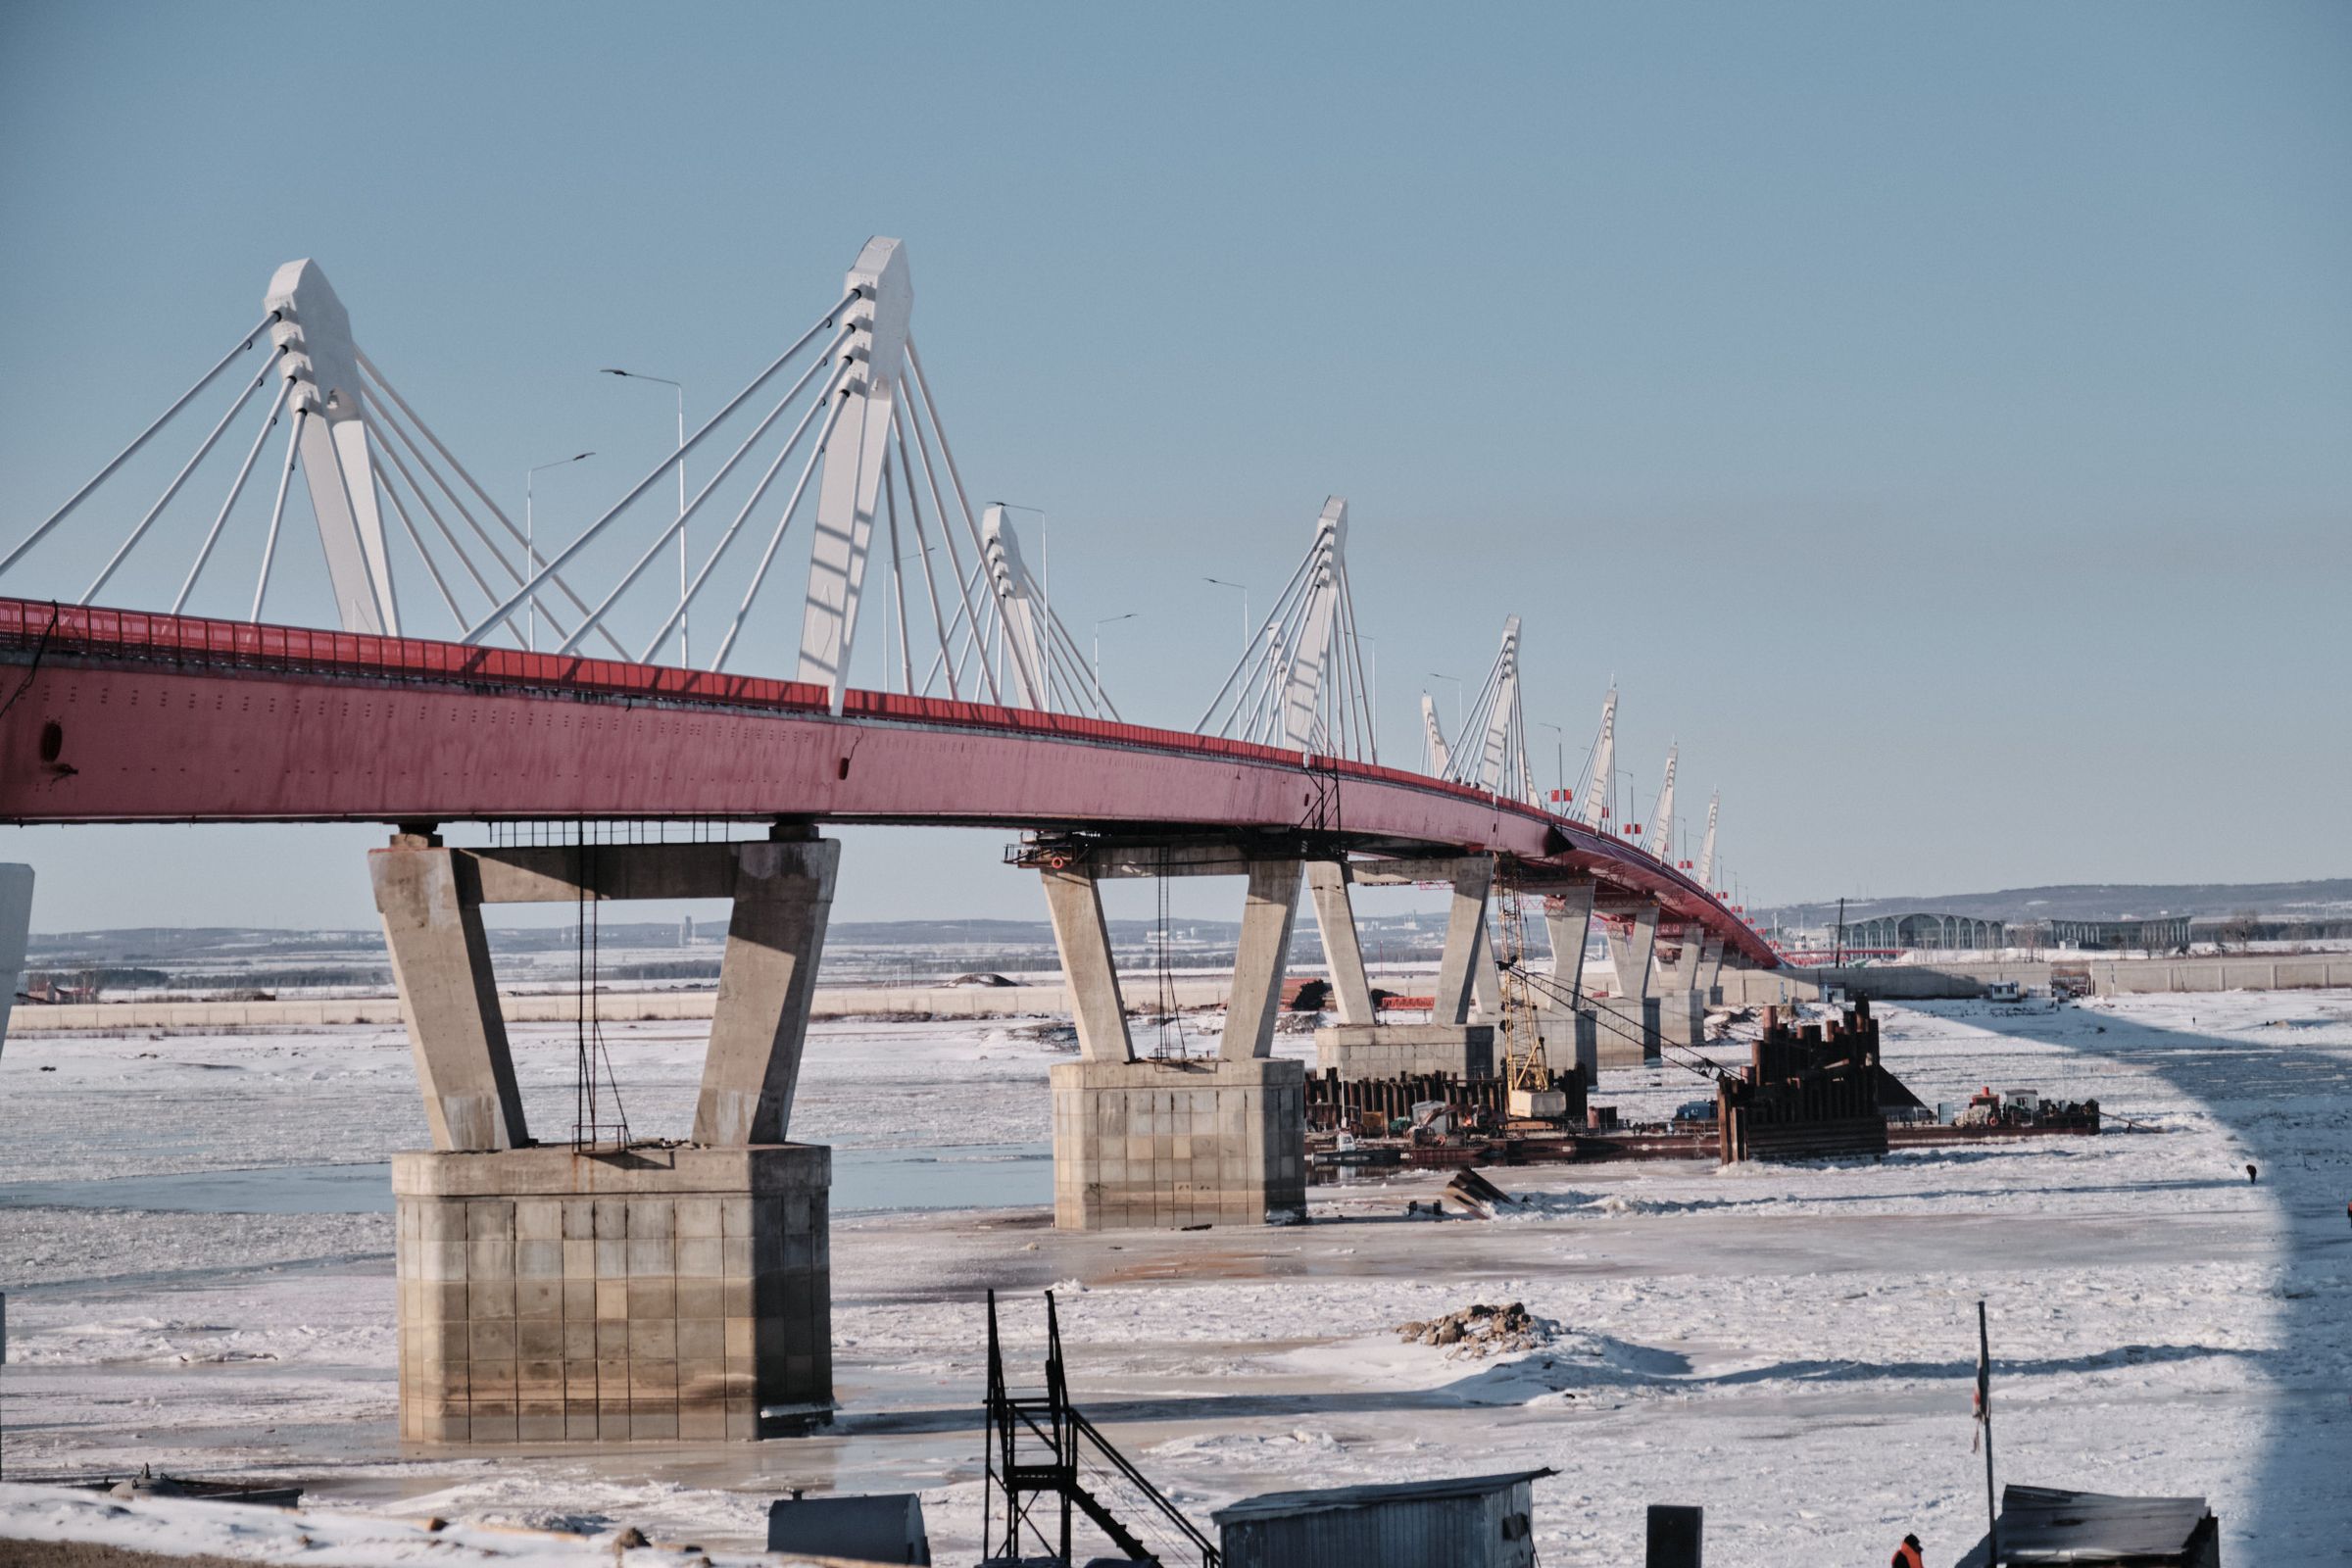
<point>1436,754</point>
<point>1017,599</point>
<point>851,492</point>
<point>1299,682</point>
<point>321,364</point>
<point>1491,751</point>
<point>1604,765</point>
<point>1706,846</point>
<point>1660,840</point>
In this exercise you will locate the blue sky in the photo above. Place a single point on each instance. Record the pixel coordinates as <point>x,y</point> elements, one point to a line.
<point>1936,417</point>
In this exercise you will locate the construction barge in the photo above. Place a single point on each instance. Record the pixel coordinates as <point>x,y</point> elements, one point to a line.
<point>1808,1092</point>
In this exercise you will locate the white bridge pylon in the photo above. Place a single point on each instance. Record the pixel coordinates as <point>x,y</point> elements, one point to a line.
<point>1602,772</point>
<point>1299,682</point>
<point>1706,846</point>
<point>873,466</point>
<point>1491,751</point>
<point>349,430</point>
<point>1659,842</point>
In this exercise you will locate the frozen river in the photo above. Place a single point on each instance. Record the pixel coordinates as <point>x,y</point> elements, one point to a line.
<point>195,1238</point>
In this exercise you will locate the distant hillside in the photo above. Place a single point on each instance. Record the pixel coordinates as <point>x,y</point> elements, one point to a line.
<point>2100,901</point>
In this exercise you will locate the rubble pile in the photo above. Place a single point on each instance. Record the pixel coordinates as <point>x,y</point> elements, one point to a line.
<point>1479,1331</point>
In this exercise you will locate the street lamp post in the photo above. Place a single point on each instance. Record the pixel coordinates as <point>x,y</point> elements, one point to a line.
<point>1244,588</point>
<point>633,375</point>
<point>1099,625</point>
<point>530,537</point>
<point>1559,759</point>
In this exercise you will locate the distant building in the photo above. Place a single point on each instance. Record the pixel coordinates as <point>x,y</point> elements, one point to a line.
<point>1922,930</point>
<point>1469,1522</point>
<point>2165,934</point>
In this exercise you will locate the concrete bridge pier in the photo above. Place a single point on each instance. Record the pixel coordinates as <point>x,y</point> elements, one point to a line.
<point>1361,1046</point>
<point>1569,1033</point>
<point>1628,1023</point>
<point>1150,1143</point>
<point>1710,971</point>
<point>1674,986</point>
<point>584,1290</point>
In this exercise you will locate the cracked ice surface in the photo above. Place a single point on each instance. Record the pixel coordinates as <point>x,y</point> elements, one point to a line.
<point>1790,1347</point>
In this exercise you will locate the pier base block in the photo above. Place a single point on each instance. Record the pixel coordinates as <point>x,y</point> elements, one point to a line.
<point>1572,1038</point>
<point>547,1295</point>
<point>1404,1050</point>
<point>1683,1019</point>
<point>1159,1145</point>
<point>1628,1031</point>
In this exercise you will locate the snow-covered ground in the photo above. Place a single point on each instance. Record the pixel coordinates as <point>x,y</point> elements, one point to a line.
<point>1792,1347</point>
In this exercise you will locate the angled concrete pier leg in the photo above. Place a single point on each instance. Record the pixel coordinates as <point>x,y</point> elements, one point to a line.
<point>1088,969</point>
<point>1678,973</point>
<point>1710,970</point>
<point>16,926</point>
<point>775,937</point>
<point>1486,984</point>
<point>1568,921</point>
<point>1630,951</point>
<point>431,902</point>
<point>1465,940</point>
<point>1342,951</point>
<point>1267,916</point>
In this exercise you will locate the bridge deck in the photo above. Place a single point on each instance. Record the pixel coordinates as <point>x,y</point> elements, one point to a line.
<point>124,716</point>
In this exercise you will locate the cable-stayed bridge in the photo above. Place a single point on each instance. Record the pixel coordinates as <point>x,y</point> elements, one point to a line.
<point>467,671</point>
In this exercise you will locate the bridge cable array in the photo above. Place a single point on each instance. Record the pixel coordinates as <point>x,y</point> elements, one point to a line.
<point>1300,683</point>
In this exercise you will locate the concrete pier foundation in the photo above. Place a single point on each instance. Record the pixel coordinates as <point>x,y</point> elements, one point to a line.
<point>1681,1018</point>
<point>1397,1051</point>
<point>1466,987</point>
<point>607,1287</point>
<point>1572,1036</point>
<point>1627,1031</point>
<point>670,1294</point>
<point>1143,1144</point>
<point>1167,1144</point>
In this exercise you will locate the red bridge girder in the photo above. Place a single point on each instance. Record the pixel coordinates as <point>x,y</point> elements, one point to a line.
<point>123,717</point>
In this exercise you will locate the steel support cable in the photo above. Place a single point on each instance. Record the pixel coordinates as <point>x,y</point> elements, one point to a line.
<point>898,588</point>
<point>760,491</point>
<point>947,534</point>
<point>382,417</point>
<point>1269,680</point>
<point>1092,682</point>
<point>203,450</point>
<point>922,545</point>
<point>244,343</point>
<point>457,545</point>
<point>277,515</point>
<point>1069,676</point>
<point>1355,652</point>
<point>236,488</point>
<point>661,541</point>
<point>1070,643</point>
<point>392,455</point>
<point>368,367</point>
<point>1241,665</point>
<point>965,609</point>
<point>767,557</point>
<point>417,541</point>
<point>971,527</point>
<point>564,556</point>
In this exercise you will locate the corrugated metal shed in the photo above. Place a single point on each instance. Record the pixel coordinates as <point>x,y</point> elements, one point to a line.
<point>1461,1522</point>
<point>2044,1525</point>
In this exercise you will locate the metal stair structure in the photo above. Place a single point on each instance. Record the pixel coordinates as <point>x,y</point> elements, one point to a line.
<point>1041,1452</point>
